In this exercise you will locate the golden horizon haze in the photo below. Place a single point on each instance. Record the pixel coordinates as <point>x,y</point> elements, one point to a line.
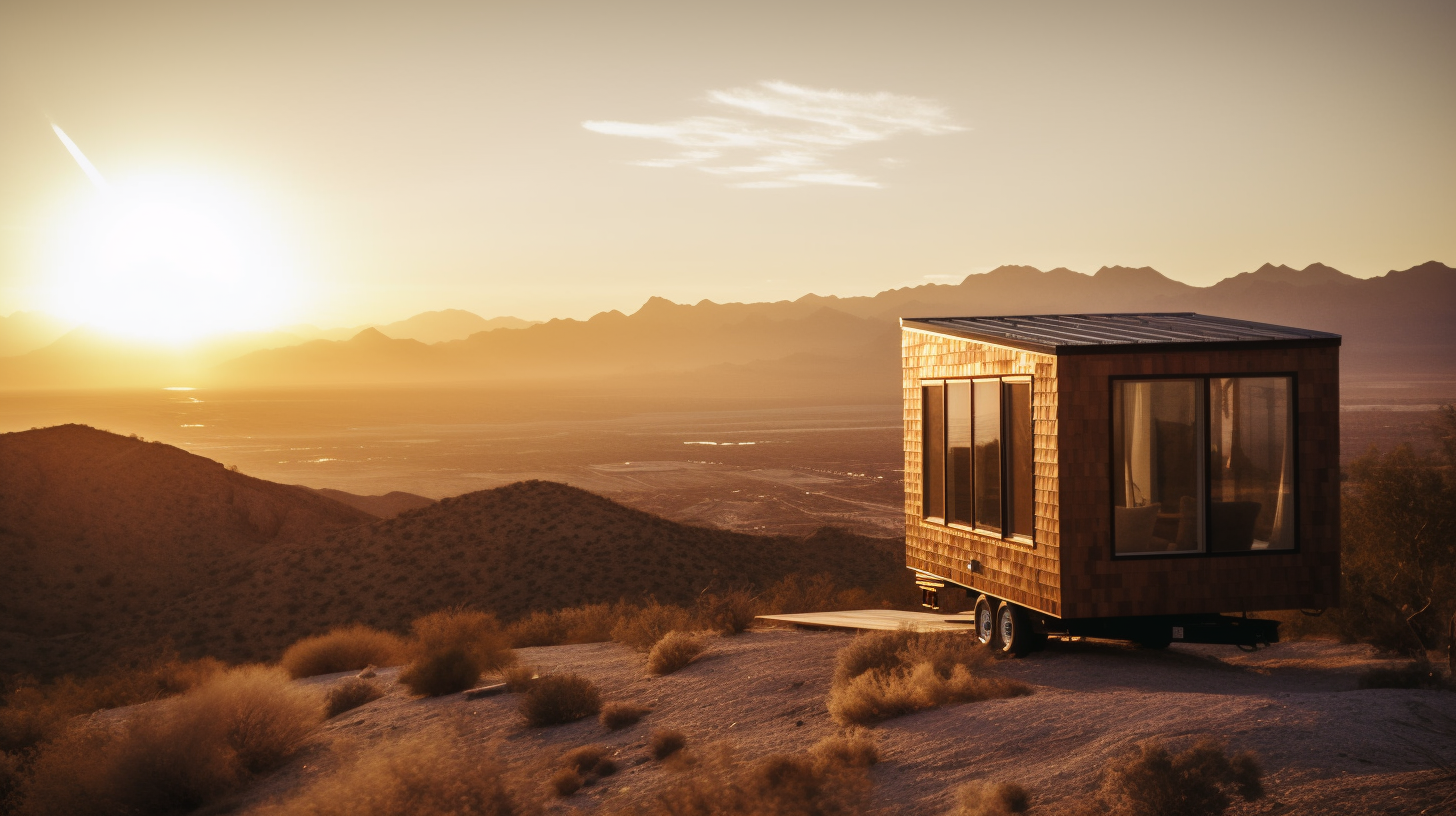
<point>350,164</point>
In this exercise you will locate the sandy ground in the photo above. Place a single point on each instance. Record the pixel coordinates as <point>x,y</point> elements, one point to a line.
<point>1326,746</point>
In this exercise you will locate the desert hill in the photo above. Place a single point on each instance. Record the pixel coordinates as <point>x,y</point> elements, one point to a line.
<point>27,331</point>
<point>523,547</point>
<point>97,528</point>
<point>113,545</point>
<point>388,505</point>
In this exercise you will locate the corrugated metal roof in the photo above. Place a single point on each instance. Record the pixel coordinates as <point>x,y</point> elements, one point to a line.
<point>1085,333</point>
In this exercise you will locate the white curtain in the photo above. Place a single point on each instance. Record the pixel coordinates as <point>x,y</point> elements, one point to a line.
<point>1137,454</point>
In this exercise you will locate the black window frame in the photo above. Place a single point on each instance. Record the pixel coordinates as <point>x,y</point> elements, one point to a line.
<point>1028,538</point>
<point>1205,395</point>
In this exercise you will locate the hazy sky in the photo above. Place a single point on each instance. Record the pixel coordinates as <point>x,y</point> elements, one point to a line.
<point>556,159</point>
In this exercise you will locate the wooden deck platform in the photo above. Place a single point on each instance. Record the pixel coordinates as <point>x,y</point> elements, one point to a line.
<point>860,620</point>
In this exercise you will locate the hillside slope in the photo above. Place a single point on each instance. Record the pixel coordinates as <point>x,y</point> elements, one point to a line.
<point>97,529</point>
<point>511,550</point>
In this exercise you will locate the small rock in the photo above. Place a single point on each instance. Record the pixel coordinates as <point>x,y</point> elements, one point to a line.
<point>486,691</point>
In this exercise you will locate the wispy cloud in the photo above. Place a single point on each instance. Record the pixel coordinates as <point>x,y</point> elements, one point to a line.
<point>786,135</point>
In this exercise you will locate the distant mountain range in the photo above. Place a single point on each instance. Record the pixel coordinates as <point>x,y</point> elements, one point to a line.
<point>1403,322</point>
<point>110,545</point>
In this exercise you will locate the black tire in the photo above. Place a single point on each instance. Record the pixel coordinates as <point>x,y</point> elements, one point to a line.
<point>986,622</point>
<point>1013,630</point>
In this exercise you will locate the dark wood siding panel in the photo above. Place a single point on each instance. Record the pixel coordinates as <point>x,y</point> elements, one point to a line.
<point>1022,573</point>
<point>1096,585</point>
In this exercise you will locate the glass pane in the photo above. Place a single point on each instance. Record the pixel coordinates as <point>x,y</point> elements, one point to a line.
<point>1020,460</point>
<point>1157,465</point>
<point>988,454</point>
<point>958,448</point>
<point>1251,498</point>
<point>932,414</point>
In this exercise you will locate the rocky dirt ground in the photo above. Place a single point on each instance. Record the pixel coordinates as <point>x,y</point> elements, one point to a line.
<point>1327,747</point>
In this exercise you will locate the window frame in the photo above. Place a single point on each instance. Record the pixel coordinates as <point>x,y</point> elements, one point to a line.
<point>1025,539</point>
<point>1205,397</point>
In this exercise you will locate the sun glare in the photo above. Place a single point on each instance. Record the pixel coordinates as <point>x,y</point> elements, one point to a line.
<point>168,259</point>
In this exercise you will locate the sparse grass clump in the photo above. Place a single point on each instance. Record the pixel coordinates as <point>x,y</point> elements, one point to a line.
<point>665,742</point>
<point>1414,675</point>
<point>555,699</point>
<point>178,755</point>
<point>428,774</point>
<point>347,648</point>
<point>1152,781</point>
<point>991,799</point>
<point>616,716</point>
<point>882,675</point>
<point>350,694</point>
<point>452,648</point>
<point>674,651</point>
<point>584,766</point>
<point>823,781</point>
<point>640,629</point>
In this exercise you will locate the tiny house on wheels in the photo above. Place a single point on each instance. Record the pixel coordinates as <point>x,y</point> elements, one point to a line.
<point>1147,477</point>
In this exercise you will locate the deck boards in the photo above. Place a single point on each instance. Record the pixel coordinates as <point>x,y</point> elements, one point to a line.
<point>861,620</point>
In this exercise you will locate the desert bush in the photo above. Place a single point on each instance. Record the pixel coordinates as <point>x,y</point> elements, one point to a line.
<point>33,712</point>
<point>1398,545</point>
<point>350,694</point>
<point>852,750</point>
<point>429,774</point>
<point>882,675</point>
<point>554,699</point>
<point>177,755</point>
<point>581,624</point>
<point>665,742</point>
<point>452,648</point>
<point>641,628</point>
<point>9,778</point>
<point>584,766</point>
<point>566,781</point>
<point>717,784</point>
<point>674,651</point>
<point>991,799</point>
<point>347,648</point>
<point>729,613</point>
<point>616,716</point>
<point>1414,675</point>
<point>1151,781</point>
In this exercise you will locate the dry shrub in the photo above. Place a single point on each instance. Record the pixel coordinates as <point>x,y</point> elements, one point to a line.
<point>566,781</point>
<point>1414,675</point>
<point>582,624</point>
<point>616,716</point>
<point>178,755</point>
<point>429,774</point>
<point>665,742</point>
<point>853,750</point>
<point>346,648</point>
<point>716,784</point>
<point>642,628</point>
<point>674,651</point>
<point>991,799</point>
<point>584,766</point>
<point>518,678</point>
<point>452,648</point>
<point>9,777</point>
<point>882,675</point>
<point>1151,781</point>
<point>33,712</point>
<point>350,694</point>
<point>730,613</point>
<point>554,699</point>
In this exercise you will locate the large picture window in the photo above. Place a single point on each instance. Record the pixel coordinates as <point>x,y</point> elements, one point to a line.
<point>979,455</point>
<point>1202,465</point>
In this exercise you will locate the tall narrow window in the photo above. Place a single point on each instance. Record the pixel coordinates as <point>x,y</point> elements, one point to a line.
<point>986,458</point>
<point>1157,462</point>
<point>958,443</point>
<point>932,415</point>
<point>1251,490</point>
<point>1020,461</point>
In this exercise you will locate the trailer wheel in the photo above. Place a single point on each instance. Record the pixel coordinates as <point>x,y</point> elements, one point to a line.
<point>985,622</point>
<point>1013,630</point>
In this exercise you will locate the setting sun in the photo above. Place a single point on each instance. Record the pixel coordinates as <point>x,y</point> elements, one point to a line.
<point>168,258</point>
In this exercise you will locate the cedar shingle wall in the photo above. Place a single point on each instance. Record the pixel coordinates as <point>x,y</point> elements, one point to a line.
<point>1026,574</point>
<point>1096,585</point>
